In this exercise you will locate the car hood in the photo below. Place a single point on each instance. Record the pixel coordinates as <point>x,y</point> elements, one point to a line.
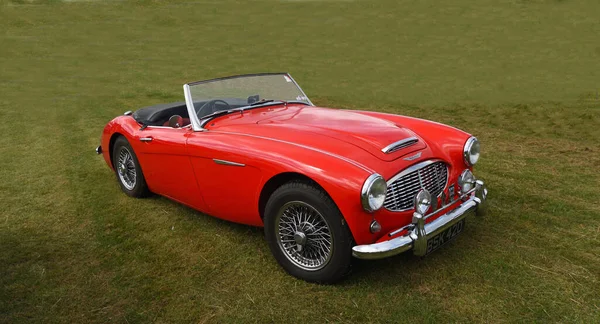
<point>309,125</point>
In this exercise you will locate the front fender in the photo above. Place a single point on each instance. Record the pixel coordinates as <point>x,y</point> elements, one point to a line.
<point>340,177</point>
<point>121,125</point>
<point>343,183</point>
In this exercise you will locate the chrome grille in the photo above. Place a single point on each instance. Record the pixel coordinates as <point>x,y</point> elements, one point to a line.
<point>430,175</point>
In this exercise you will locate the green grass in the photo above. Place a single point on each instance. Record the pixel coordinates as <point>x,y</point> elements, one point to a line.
<point>522,75</point>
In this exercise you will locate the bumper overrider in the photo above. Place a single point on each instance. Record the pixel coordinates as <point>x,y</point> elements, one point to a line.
<point>418,232</point>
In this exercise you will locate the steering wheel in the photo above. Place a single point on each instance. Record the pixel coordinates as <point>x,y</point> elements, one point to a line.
<point>211,104</point>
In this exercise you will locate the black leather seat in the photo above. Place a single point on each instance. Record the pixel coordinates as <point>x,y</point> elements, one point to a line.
<point>157,115</point>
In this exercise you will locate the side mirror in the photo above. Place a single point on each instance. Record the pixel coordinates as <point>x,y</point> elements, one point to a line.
<point>175,121</point>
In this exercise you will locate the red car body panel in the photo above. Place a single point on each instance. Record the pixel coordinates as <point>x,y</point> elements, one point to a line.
<point>338,149</point>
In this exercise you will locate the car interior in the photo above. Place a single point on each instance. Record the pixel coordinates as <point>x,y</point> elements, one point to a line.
<point>159,115</point>
<point>168,114</point>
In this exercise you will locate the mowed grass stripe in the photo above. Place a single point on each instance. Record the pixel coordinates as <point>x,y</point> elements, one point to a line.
<point>41,240</point>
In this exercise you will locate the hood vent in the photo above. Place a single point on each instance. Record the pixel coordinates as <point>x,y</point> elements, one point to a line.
<point>399,145</point>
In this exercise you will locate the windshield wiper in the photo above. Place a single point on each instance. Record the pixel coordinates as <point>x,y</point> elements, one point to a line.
<point>242,109</point>
<point>261,102</point>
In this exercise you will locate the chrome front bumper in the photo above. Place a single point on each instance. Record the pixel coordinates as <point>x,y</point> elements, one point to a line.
<point>419,232</point>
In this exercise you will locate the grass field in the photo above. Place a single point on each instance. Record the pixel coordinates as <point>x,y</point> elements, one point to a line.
<point>521,75</point>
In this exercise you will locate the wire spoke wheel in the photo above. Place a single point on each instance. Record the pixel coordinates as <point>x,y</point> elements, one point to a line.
<point>304,235</point>
<point>126,169</point>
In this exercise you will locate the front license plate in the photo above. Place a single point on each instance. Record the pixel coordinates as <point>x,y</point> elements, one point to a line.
<point>444,237</point>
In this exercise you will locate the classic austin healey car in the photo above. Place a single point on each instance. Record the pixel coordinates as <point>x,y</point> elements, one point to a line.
<point>326,184</point>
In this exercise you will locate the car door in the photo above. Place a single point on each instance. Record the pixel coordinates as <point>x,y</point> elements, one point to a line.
<point>228,179</point>
<point>166,164</point>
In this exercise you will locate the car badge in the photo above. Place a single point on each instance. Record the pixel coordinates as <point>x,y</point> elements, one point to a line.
<point>443,198</point>
<point>414,157</point>
<point>451,192</point>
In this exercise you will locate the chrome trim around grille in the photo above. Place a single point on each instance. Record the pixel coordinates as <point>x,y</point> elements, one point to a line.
<point>403,187</point>
<point>399,145</point>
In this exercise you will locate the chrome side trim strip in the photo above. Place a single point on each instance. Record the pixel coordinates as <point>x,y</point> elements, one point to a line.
<point>224,162</point>
<point>399,145</point>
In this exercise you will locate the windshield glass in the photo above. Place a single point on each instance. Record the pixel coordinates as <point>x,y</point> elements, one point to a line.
<point>241,92</point>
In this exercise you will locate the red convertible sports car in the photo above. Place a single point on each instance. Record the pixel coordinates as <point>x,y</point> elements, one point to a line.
<point>326,184</point>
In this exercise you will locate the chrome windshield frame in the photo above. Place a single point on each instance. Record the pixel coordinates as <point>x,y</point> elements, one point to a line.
<point>189,103</point>
<point>197,125</point>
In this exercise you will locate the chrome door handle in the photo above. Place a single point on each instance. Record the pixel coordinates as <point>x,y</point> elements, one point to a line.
<point>146,139</point>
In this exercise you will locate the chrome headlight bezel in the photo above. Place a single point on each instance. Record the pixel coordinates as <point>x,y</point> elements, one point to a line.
<point>372,201</point>
<point>471,151</point>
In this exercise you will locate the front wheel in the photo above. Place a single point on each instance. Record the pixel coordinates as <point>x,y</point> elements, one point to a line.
<point>307,233</point>
<point>128,170</point>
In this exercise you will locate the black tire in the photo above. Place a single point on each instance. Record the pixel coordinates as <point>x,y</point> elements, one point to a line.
<point>297,195</point>
<point>137,187</point>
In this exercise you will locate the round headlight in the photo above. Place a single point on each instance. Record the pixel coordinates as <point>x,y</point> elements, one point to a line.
<point>471,151</point>
<point>422,201</point>
<point>373,192</point>
<point>466,181</point>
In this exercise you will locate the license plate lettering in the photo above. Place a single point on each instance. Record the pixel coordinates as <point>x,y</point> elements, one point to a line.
<point>444,237</point>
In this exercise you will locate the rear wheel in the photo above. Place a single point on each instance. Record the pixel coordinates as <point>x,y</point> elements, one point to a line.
<point>307,233</point>
<point>127,169</point>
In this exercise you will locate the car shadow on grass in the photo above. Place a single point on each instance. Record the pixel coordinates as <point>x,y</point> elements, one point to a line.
<point>204,219</point>
<point>403,270</point>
